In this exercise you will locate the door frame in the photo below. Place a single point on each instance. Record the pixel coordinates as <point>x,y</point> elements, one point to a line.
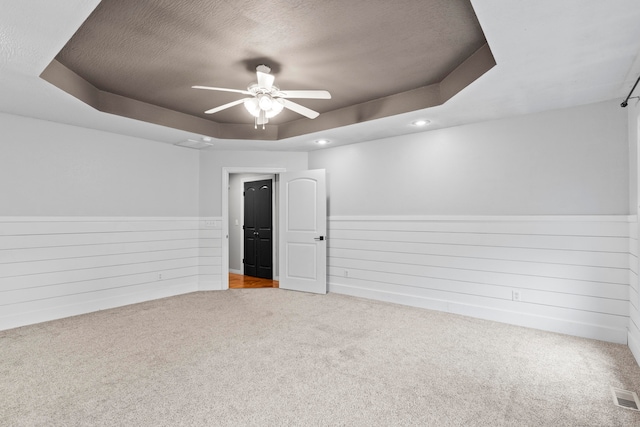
<point>274,218</point>
<point>224,268</point>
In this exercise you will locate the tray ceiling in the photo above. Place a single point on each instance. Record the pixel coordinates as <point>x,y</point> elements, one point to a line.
<point>377,58</point>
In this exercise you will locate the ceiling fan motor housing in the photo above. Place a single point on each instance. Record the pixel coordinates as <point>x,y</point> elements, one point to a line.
<point>263,69</point>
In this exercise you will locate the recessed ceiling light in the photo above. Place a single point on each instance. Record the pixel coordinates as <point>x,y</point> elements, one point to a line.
<point>206,139</point>
<point>322,141</point>
<point>421,122</point>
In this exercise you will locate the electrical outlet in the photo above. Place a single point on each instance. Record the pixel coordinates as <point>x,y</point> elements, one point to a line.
<point>346,273</point>
<point>159,276</point>
<point>209,223</point>
<point>517,296</point>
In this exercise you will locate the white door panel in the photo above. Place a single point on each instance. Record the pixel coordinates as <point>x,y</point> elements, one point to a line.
<point>303,227</point>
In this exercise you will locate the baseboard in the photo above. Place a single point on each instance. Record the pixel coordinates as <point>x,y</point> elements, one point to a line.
<point>618,336</point>
<point>53,313</point>
<point>634,346</point>
<point>210,285</point>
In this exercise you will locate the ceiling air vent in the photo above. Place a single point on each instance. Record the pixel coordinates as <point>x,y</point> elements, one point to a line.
<point>625,399</point>
<point>194,143</point>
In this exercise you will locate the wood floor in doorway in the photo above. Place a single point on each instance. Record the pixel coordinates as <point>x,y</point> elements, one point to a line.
<point>238,281</point>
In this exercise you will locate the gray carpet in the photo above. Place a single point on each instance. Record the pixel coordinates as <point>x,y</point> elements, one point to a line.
<point>273,357</point>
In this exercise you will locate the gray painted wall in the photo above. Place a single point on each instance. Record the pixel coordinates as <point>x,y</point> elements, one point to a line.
<point>212,162</point>
<point>52,169</point>
<point>235,231</point>
<point>565,162</point>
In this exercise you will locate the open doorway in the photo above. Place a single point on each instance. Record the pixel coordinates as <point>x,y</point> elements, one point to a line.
<point>233,222</point>
<point>258,232</point>
<point>253,231</point>
<point>302,217</point>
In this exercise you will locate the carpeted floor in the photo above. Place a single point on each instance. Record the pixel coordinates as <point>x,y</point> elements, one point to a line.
<point>273,357</point>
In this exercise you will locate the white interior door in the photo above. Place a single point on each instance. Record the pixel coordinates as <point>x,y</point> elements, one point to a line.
<point>303,230</point>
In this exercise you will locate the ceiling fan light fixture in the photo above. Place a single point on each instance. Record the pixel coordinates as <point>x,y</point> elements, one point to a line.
<point>252,106</point>
<point>265,102</point>
<point>277,105</point>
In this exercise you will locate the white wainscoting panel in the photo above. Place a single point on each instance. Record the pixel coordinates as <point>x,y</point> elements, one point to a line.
<point>56,267</point>
<point>571,273</point>
<point>210,271</point>
<point>634,292</point>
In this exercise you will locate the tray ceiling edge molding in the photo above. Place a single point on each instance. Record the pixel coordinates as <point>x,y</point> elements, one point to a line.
<point>420,98</point>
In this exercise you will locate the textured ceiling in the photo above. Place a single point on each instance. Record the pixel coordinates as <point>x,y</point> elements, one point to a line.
<point>152,51</point>
<point>550,54</point>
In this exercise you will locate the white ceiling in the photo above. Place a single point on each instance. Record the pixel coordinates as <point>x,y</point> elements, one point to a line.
<point>550,54</point>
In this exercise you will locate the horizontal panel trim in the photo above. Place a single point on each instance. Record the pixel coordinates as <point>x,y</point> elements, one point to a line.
<point>189,274</point>
<point>551,256</point>
<point>55,228</point>
<point>26,255</point>
<point>457,289</point>
<point>47,279</point>
<point>602,229</point>
<point>633,300</point>
<point>595,326</point>
<point>19,228</point>
<point>104,218</point>
<point>52,267</point>
<point>84,263</point>
<point>517,308</point>
<point>595,274</point>
<point>504,281</point>
<point>588,243</point>
<point>210,260</point>
<point>490,218</point>
<point>41,304</point>
<point>72,239</point>
<point>33,314</point>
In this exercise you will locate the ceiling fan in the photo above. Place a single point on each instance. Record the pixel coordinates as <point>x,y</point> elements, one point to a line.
<point>267,100</point>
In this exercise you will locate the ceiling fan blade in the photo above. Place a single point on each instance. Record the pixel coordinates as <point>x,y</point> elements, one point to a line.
<point>222,89</point>
<point>308,94</point>
<point>300,109</point>
<point>225,106</point>
<point>265,80</point>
